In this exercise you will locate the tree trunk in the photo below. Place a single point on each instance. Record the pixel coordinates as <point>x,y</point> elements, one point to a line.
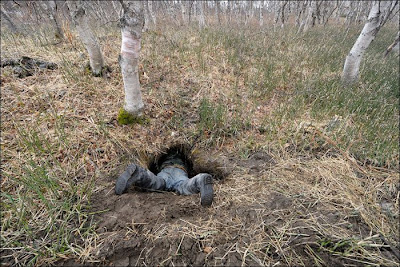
<point>230,9</point>
<point>151,12</point>
<point>89,39</point>
<point>202,21</point>
<point>132,22</point>
<point>329,14</point>
<point>375,21</point>
<point>218,11</point>
<point>307,20</point>
<point>311,15</point>
<point>52,13</point>
<point>183,10</point>
<point>283,14</point>
<point>146,17</point>
<point>278,7</point>
<point>394,45</point>
<point>12,26</point>
<point>260,16</point>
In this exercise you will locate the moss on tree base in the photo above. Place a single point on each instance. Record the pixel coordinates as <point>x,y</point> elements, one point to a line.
<point>104,70</point>
<point>125,118</point>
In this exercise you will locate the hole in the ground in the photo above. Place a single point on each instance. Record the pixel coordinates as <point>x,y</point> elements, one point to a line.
<point>195,161</point>
<point>182,151</point>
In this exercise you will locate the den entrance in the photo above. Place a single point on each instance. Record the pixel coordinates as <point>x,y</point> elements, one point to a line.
<point>196,162</point>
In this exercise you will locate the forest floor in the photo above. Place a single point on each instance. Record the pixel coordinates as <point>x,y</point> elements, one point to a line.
<point>306,170</point>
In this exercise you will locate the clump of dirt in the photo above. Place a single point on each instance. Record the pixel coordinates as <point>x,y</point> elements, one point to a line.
<point>26,66</point>
<point>131,220</point>
<point>257,162</point>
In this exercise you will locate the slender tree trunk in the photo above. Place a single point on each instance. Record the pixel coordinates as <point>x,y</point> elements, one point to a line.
<point>260,16</point>
<point>314,12</point>
<point>183,10</point>
<point>310,15</point>
<point>117,7</point>
<point>146,17</point>
<point>329,14</point>
<point>151,12</point>
<point>218,11</point>
<point>394,45</point>
<point>298,14</point>
<point>189,9</point>
<point>132,22</point>
<point>202,21</point>
<point>52,13</point>
<point>89,39</point>
<point>283,14</point>
<point>300,18</point>
<point>351,13</point>
<point>278,13</point>
<point>376,19</point>
<point>4,15</point>
<point>230,9</point>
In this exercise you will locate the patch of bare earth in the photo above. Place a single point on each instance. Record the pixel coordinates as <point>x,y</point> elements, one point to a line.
<point>267,211</point>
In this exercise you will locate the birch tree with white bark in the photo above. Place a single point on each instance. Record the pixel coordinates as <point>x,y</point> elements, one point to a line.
<point>260,14</point>
<point>81,20</point>
<point>51,8</point>
<point>151,11</point>
<point>132,21</point>
<point>378,15</point>
<point>7,18</point>
<point>202,21</point>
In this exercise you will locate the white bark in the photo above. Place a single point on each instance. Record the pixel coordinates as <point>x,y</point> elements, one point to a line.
<point>146,17</point>
<point>151,12</point>
<point>218,11</point>
<point>202,21</point>
<point>312,9</point>
<point>183,11</point>
<point>4,15</point>
<point>132,22</point>
<point>260,15</point>
<point>51,7</point>
<point>89,39</point>
<point>376,19</point>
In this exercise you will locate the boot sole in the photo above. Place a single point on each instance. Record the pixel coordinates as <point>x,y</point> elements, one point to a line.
<point>120,185</point>
<point>207,193</point>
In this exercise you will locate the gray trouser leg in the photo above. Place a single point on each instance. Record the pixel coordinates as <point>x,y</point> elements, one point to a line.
<point>201,183</point>
<point>138,176</point>
<point>149,180</point>
<point>192,185</point>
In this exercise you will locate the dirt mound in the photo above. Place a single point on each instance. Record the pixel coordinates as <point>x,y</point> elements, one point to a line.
<point>142,213</point>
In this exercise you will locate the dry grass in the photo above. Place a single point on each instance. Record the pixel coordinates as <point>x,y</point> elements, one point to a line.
<point>315,206</point>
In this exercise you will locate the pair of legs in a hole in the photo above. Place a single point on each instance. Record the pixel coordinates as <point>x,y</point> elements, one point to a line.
<point>172,177</point>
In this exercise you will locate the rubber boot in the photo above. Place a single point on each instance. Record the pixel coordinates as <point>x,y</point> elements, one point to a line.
<point>140,177</point>
<point>201,183</point>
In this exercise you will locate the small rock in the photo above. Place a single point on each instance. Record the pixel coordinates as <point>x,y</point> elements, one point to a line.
<point>207,250</point>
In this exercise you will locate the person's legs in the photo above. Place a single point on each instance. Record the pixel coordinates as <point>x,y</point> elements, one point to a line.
<point>173,177</point>
<point>201,183</point>
<point>138,176</point>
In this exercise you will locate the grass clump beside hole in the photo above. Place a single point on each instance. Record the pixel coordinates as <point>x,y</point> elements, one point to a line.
<point>125,118</point>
